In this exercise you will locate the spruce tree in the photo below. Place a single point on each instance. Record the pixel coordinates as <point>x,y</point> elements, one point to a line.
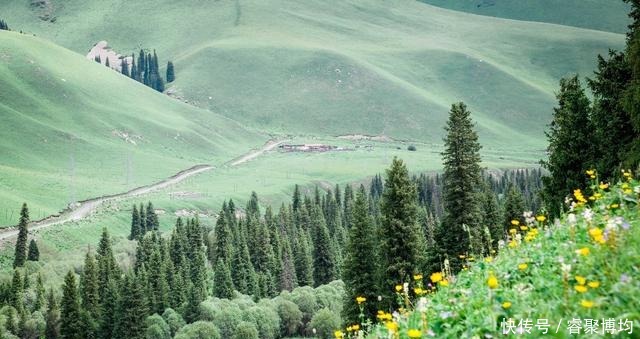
<point>40,294</point>
<point>108,270</point>
<point>492,218</point>
<point>171,75</point>
<point>614,134</point>
<point>124,67</point>
<point>89,286</point>
<point>70,324</point>
<point>152,218</point>
<point>222,241</point>
<point>460,231</point>
<point>296,198</point>
<point>191,312</point>
<point>16,293</point>
<point>106,63</point>
<point>570,145</point>
<point>324,265</point>
<point>631,96</point>
<point>52,329</point>
<point>108,311</point>
<point>135,232</point>
<point>34,252</point>
<point>360,265</point>
<point>21,243</point>
<point>303,254</point>
<point>222,283</point>
<point>132,309</point>
<point>513,208</point>
<point>399,241</point>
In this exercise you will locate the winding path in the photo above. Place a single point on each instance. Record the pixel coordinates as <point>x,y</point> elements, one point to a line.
<point>83,209</point>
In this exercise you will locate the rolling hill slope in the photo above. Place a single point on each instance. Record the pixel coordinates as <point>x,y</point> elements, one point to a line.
<point>71,129</point>
<point>603,15</point>
<point>340,67</point>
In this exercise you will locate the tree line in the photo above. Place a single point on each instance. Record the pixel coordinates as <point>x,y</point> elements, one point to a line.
<point>3,25</point>
<point>146,70</point>
<point>601,134</point>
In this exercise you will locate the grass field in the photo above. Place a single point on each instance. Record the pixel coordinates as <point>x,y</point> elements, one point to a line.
<point>63,125</point>
<point>604,15</point>
<point>339,67</point>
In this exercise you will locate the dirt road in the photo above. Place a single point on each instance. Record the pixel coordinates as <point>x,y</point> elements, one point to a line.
<point>83,209</point>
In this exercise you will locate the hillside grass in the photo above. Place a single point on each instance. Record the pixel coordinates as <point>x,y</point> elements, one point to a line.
<point>341,67</point>
<point>585,266</point>
<point>63,119</point>
<point>603,15</point>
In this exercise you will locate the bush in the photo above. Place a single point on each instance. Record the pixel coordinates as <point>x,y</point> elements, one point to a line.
<point>411,148</point>
<point>157,327</point>
<point>290,317</point>
<point>199,330</point>
<point>174,320</point>
<point>266,319</point>
<point>224,313</point>
<point>325,322</point>
<point>246,330</point>
<point>306,300</point>
<point>329,297</point>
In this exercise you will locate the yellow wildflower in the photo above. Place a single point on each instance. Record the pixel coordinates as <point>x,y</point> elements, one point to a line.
<point>417,277</point>
<point>418,291</point>
<point>513,244</point>
<point>355,327</point>
<point>594,284</point>
<point>515,222</point>
<point>591,172</point>
<point>580,288</point>
<point>398,288</point>
<point>435,277</point>
<point>587,303</point>
<point>578,195</point>
<point>391,326</point>
<point>443,283</point>
<point>338,334</point>
<point>506,305</point>
<point>603,186</point>
<point>541,218</point>
<point>492,282</point>
<point>513,231</point>
<point>583,251</point>
<point>488,259</point>
<point>523,266</point>
<point>414,333</point>
<point>581,280</point>
<point>360,300</point>
<point>524,228</point>
<point>614,206</point>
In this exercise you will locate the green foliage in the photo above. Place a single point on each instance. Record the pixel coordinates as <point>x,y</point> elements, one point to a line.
<point>399,232</point>
<point>324,323</point>
<point>246,330</point>
<point>52,330</point>
<point>70,317</point>
<point>21,243</point>
<point>132,309</point>
<point>157,328</point>
<point>324,261</point>
<point>290,317</point>
<point>33,253</point>
<point>360,264</point>
<point>199,330</point>
<point>570,145</point>
<point>89,286</point>
<point>171,75</point>
<point>3,25</point>
<point>513,208</point>
<point>174,320</point>
<point>222,283</point>
<point>460,231</point>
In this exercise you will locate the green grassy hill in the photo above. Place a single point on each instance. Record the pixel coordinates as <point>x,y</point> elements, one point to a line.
<point>340,67</point>
<point>604,15</point>
<point>73,129</point>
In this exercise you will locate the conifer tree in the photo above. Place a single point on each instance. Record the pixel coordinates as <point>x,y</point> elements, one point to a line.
<point>304,258</point>
<point>97,59</point>
<point>492,218</point>
<point>21,243</point>
<point>243,274</point>
<point>40,294</point>
<point>296,198</point>
<point>192,309</point>
<point>124,67</point>
<point>158,283</point>
<point>360,265</point>
<point>108,270</point>
<point>460,231</point>
<point>631,96</point>
<point>222,241</point>
<point>134,234</point>
<point>70,324</point>
<point>171,75</point>
<point>52,329</point>
<point>16,293</point>
<point>324,265</point>
<point>570,145</point>
<point>106,63</point>
<point>108,311</point>
<point>143,221</point>
<point>614,133</point>
<point>134,69</point>
<point>132,309</point>
<point>399,231</point>
<point>513,208</point>
<point>89,286</point>
<point>152,218</point>
<point>34,252</point>
<point>288,278</point>
<point>222,283</point>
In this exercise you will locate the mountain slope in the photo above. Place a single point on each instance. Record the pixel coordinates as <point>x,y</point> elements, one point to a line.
<point>73,129</point>
<point>604,15</point>
<point>340,67</point>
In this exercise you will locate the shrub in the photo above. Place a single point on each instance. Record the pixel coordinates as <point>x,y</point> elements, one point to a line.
<point>266,319</point>
<point>290,317</point>
<point>199,330</point>
<point>246,330</point>
<point>325,322</point>
<point>157,327</point>
<point>174,320</point>
<point>224,313</point>
<point>306,300</point>
<point>411,148</point>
